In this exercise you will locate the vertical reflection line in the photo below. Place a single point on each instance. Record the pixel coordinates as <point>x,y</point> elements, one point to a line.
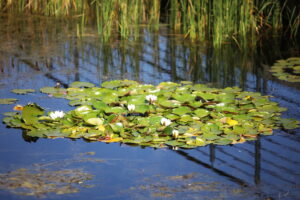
<point>257,161</point>
<point>172,57</point>
<point>212,154</point>
<point>76,60</point>
<point>98,65</point>
<point>123,56</point>
<point>156,52</point>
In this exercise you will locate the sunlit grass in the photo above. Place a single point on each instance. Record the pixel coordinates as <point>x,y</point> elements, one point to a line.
<point>218,21</point>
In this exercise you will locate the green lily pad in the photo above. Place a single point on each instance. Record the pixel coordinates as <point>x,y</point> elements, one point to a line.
<point>118,83</point>
<point>181,115</point>
<point>181,110</point>
<point>287,70</point>
<point>8,101</point>
<point>83,110</point>
<point>31,112</point>
<point>116,110</point>
<point>22,91</point>
<point>201,112</point>
<point>290,123</point>
<point>56,92</point>
<point>79,84</point>
<point>141,109</point>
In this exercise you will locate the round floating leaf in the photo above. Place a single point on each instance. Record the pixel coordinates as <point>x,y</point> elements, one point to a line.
<point>23,91</point>
<point>116,110</point>
<point>79,84</point>
<point>8,101</point>
<point>168,103</point>
<point>100,105</point>
<point>183,97</point>
<point>141,109</point>
<point>290,123</point>
<point>83,110</point>
<point>118,83</point>
<point>181,110</point>
<point>201,112</point>
<point>10,114</point>
<point>186,118</point>
<point>31,112</point>
<point>56,92</point>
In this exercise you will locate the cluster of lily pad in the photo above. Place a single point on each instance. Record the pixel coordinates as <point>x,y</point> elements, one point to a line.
<point>288,70</point>
<point>170,114</point>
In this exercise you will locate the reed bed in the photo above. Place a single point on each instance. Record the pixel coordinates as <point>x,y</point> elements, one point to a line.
<point>218,21</point>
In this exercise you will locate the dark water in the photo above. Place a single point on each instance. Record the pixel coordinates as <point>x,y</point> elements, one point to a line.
<point>38,52</point>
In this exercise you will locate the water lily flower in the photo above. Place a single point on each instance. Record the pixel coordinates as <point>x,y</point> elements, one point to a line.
<point>151,98</point>
<point>220,104</point>
<point>119,124</point>
<point>57,114</point>
<point>175,133</point>
<point>131,107</point>
<point>165,122</point>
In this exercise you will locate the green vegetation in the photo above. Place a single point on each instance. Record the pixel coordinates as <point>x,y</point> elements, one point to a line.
<point>288,70</point>
<point>169,114</point>
<point>218,21</point>
<point>22,91</point>
<point>8,101</point>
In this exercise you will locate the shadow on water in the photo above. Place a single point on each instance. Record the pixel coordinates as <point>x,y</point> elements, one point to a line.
<point>38,52</point>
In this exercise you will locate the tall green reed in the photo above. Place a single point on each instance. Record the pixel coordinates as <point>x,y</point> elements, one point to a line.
<point>218,21</point>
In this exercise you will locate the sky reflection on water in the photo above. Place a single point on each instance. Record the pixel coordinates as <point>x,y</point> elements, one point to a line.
<point>34,57</point>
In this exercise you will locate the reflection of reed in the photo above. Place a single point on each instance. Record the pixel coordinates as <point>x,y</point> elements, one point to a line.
<point>269,162</point>
<point>153,58</point>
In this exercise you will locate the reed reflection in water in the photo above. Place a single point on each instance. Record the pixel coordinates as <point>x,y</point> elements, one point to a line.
<point>34,57</point>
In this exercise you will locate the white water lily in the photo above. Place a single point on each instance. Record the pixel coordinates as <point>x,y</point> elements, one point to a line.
<point>119,124</point>
<point>151,98</point>
<point>57,114</point>
<point>131,107</point>
<point>165,122</point>
<point>175,133</point>
<point>220,104</point>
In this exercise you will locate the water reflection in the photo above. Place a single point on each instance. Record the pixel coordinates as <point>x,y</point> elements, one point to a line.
<point>41,52</point>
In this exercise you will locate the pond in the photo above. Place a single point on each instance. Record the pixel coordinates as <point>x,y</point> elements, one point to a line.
<point>39,52</point>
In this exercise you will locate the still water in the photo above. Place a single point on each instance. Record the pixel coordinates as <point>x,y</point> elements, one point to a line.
<point>38,52</point>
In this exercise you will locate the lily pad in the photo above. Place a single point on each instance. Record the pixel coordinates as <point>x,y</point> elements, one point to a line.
<point>287,70</point>
<point>31,112</point>
<point>22,91</point>
<point>8,101</point>
<point>201,112</point>
<point>79,84</point>
<point>181,110</point>
<point>170,114</point>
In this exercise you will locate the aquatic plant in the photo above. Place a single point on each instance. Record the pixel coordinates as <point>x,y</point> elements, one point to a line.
<point>183,114</point>
<point>219,20</point>
<point>8,101</point>
<point>288,70</point>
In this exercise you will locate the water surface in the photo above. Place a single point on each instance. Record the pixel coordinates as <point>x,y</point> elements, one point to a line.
<point>38,52</point>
